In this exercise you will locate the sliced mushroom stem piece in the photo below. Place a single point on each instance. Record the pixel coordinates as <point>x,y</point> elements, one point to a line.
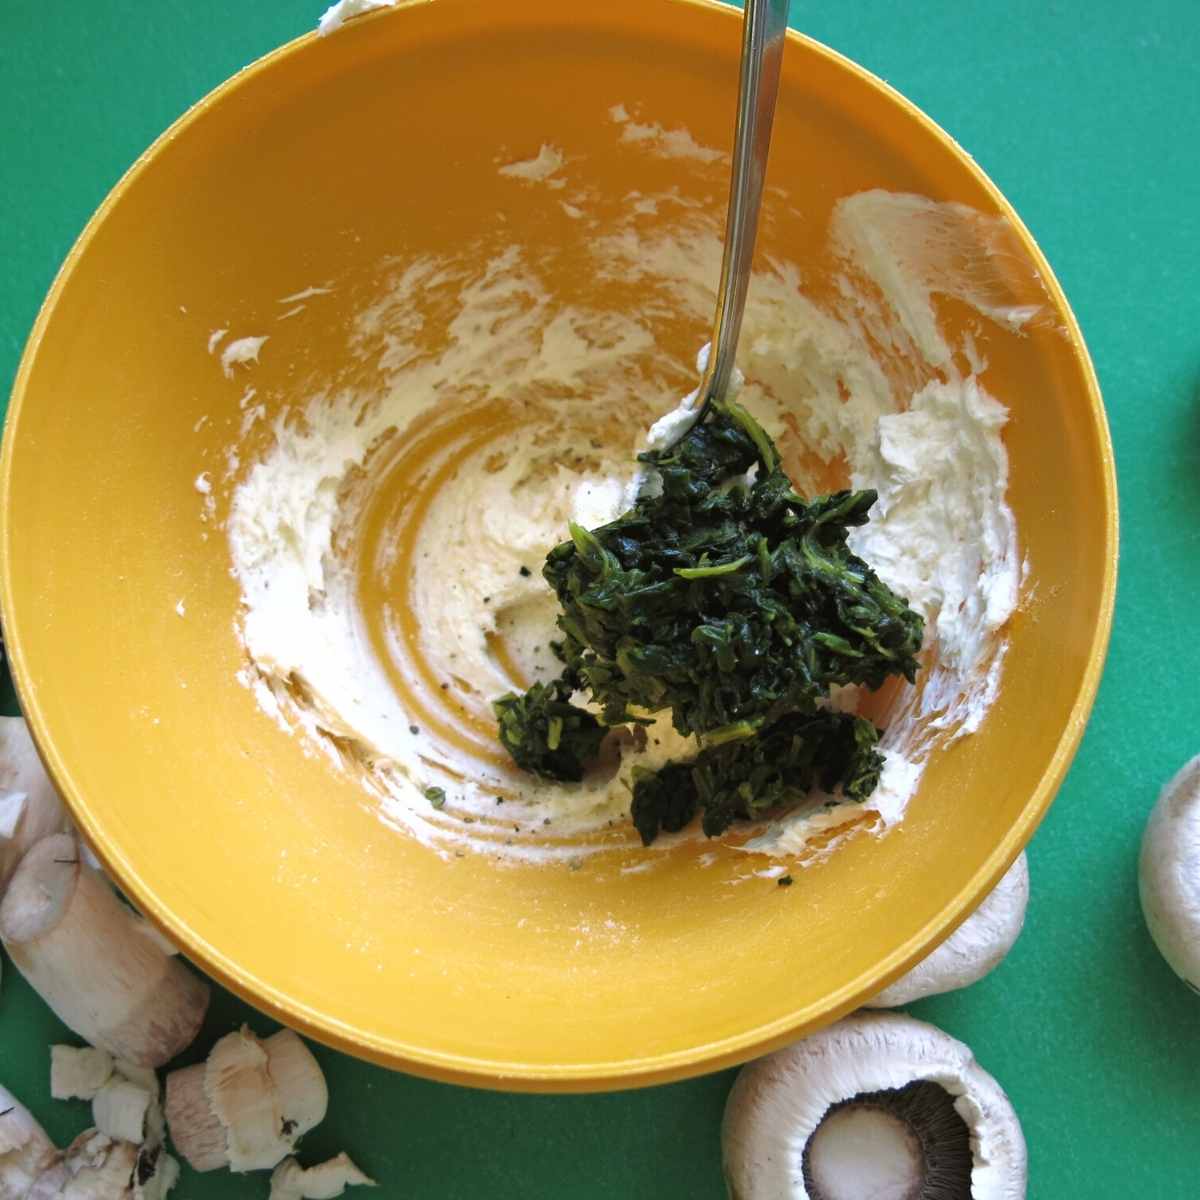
<point>975,949</point>
<point>1169,874</point>
<point>121,1110</point>
<point>195,1129</point>
<point>78,1072</point>
<point>30,806</point>
<point>248,1104</point>
<point>325,1181</point>
<point>79,947</point>
<point>25,1150</point>
<point>877,1105</point>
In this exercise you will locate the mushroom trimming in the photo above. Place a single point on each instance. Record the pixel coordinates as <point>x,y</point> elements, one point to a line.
<point>1169,874</point>
<point>248,1104</point>
<point>93,1167</point>
<point>878,1105</point>
<point>25,1149</point>
<point>973,950</point>
<point>291,1181</point>
<point>125,1099</point>
<point>126,1111</point>
<point>84,953</point>
<point>78,1072</point>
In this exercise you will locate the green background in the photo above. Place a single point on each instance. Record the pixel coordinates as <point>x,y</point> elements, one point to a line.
<point>1087,117</point>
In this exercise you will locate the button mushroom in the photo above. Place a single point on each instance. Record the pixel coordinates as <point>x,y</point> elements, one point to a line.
<point>973,950</point>
<point>878,1105</point>
<point>1169,874</point>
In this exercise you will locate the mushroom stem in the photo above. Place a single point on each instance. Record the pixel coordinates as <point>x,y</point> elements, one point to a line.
<point>248,1104</point>
<point>195,1129</point>
<point>25,1150</point>
<point>80,949</point>
<point>859,1152</point>
<point>30,807</point>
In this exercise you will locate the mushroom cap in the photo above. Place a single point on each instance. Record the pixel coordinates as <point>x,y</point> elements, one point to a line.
<point>778,1102</point>
<point>1169,873</point>
<point>22,774</point>
<point>976,948</point>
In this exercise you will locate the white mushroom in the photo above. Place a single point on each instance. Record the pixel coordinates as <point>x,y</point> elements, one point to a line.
<point>1169,874</point>
<point>79,947</point>
<point>325,1181</point>
<point>879,1105</point>
<point>78,1072</point>
<point>973,950</point>
<point>25,1150</point>
<point>248,1104</point>
<point>30,807</point>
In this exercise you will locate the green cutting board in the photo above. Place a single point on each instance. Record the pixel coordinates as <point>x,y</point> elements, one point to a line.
<point>1088,118</point>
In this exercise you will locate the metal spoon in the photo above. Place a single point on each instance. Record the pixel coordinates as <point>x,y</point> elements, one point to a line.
<point>762,54</point>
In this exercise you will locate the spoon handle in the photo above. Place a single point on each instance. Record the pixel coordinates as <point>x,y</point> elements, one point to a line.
<point>762,53</point>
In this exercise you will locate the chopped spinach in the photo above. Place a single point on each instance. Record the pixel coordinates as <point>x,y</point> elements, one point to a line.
<point>730,600</point>
<point>545,733</point>
<point>741,780</point>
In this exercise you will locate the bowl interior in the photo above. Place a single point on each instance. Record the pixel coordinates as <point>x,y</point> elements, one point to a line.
<point>329,163</point>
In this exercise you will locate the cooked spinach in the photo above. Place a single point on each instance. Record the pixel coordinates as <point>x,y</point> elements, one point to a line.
<point>727,598</point>
<point>741,780</point>
<point>545,733</point>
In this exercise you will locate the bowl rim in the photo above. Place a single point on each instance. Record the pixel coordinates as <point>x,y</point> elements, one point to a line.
<point>630,1072</point>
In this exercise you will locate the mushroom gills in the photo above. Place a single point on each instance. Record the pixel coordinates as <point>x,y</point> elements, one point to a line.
<point>904,1143</point>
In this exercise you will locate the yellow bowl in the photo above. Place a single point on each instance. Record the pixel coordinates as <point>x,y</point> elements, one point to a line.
<point>270,867</point>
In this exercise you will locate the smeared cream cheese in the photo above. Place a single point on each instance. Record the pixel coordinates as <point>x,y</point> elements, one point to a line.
<point>336,15</point>
<point>241,353</point>
<point>388,543</point>
<point>538,169</point>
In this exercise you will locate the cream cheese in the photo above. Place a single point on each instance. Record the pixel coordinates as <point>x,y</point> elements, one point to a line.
<point>336,15</point>
<point>403,703</point>
<point>538,169</point>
